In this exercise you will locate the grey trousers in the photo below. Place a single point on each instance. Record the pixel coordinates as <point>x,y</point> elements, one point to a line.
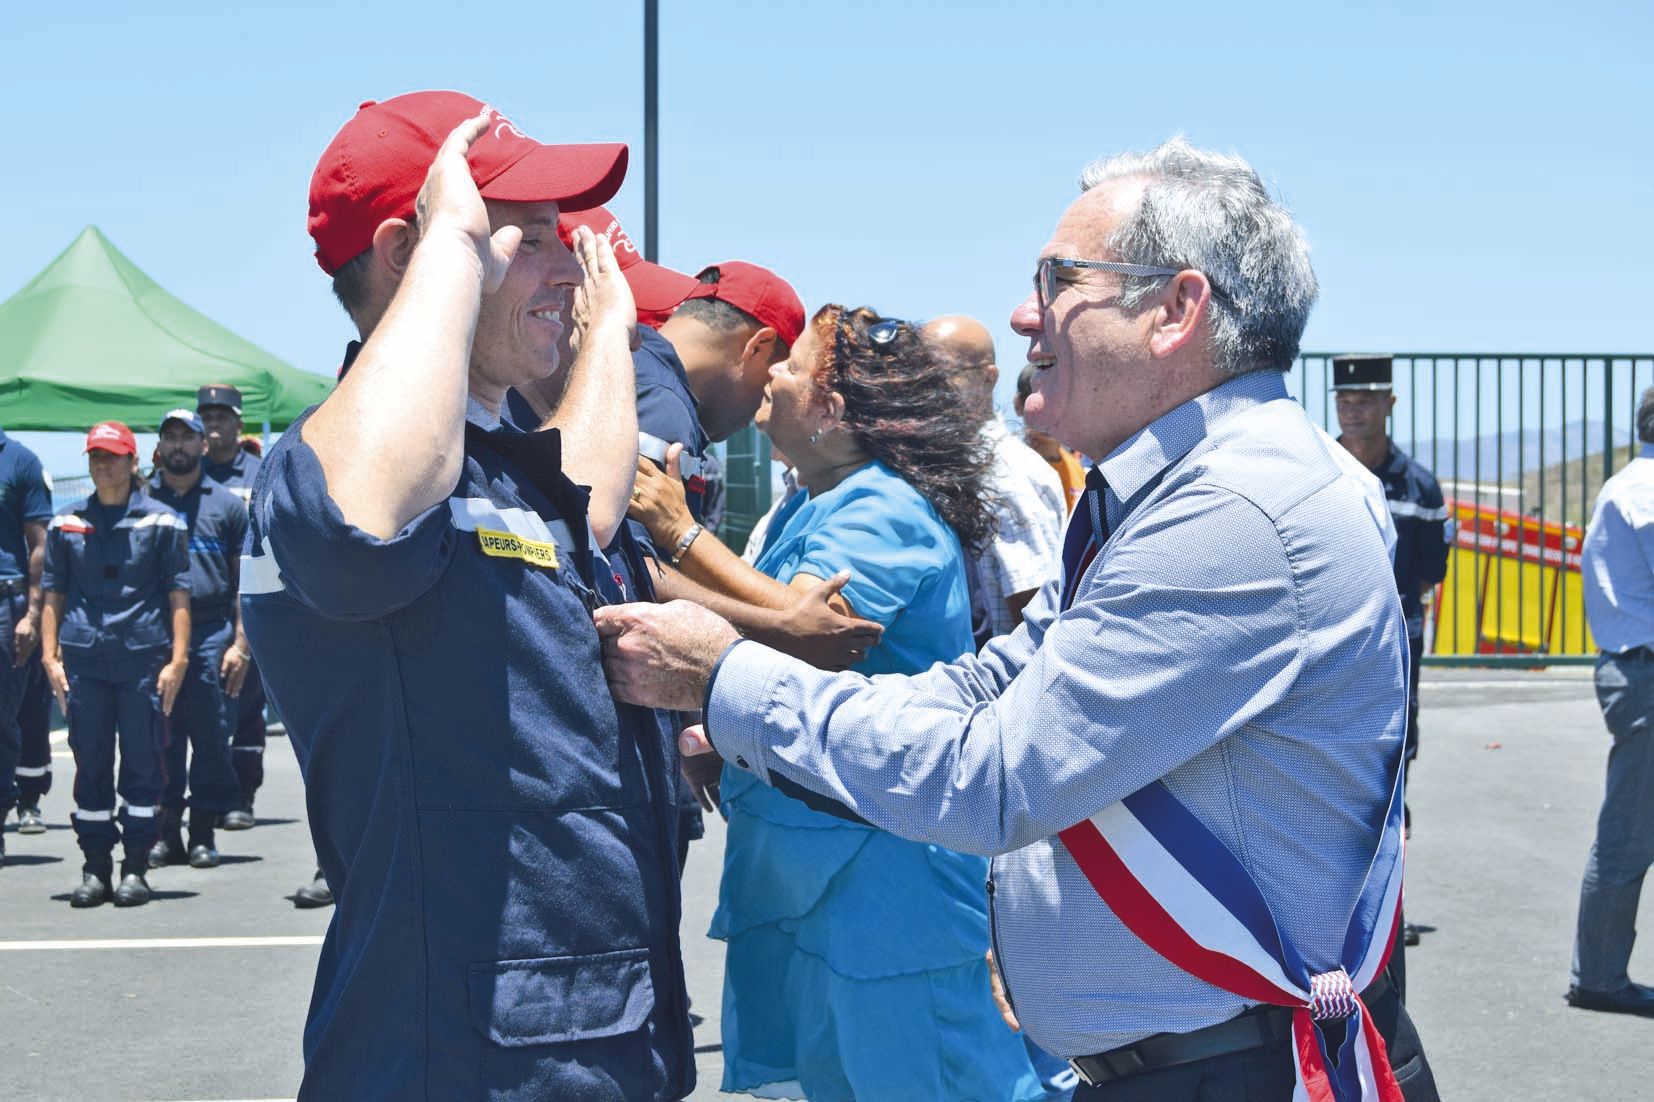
<point>1624,846</point>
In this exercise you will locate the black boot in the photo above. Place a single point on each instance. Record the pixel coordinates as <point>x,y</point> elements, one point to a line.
<point>314,894</point>
<point>203,854</point>
<point>94,883</point>
<point>133,890</point>
<point>241,817</point>
<point>169,847</point>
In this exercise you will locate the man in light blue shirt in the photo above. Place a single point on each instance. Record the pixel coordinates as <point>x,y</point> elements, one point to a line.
<point>1617,565</point>
<point>1235,636</point>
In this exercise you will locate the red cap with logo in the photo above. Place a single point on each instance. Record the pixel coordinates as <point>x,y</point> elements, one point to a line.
<point>757,291</point>
<point>112,437</point>
<point>374,167</point>
<point>657,289</point>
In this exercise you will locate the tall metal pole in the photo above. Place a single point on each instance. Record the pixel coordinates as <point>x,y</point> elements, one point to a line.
<point>651,141</point>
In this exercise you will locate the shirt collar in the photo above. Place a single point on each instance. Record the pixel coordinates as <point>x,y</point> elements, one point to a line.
<point>1173,435</point>
<point>479,415</point>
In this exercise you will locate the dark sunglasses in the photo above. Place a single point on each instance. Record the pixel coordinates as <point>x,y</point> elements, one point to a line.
<point>882,333</point>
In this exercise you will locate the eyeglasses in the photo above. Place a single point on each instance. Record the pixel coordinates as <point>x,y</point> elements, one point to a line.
<point>1045,276</point>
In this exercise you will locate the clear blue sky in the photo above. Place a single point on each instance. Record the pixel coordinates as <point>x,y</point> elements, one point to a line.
<point>1472,177</point>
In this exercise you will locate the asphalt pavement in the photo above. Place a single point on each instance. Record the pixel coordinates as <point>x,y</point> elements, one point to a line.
<point>202,994</point>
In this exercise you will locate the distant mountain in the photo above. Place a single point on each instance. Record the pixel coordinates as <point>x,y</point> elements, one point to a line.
<point>1507,457</point>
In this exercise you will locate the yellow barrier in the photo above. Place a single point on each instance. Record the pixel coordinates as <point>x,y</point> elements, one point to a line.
<point>1513,587</point>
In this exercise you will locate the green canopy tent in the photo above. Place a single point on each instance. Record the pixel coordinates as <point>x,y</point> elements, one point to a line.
<point>93,338</point>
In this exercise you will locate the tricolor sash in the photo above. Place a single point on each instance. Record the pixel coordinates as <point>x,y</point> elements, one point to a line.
<point>1174,884</point>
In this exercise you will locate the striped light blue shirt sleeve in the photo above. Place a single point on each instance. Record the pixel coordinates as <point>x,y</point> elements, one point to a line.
<point>1066,718</point>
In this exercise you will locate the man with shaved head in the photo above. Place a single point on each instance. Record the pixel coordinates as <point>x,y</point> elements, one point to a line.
<point>1027,548</point>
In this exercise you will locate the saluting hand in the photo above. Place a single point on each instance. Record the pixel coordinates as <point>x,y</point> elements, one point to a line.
<point>450,206</point>
<point>604,298</point>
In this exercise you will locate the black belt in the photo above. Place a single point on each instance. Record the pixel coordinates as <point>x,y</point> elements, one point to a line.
<point>1635,654</point>
<point>11,587</point>
<point>1260,1027</point>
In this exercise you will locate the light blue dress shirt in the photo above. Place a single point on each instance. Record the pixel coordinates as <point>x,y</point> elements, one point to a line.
<point>1239,636</point>
<point>1617,561</point>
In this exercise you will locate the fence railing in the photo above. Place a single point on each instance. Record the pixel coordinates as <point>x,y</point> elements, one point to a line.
<point>1521,444</point>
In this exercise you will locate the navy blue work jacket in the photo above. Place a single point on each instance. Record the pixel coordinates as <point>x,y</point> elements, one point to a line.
<point>116,578</point>
<point>217,523</point>
<point>1423,534</point>
<point>498,832</point>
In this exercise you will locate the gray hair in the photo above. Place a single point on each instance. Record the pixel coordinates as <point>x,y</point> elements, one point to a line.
<point>1210,212</point>
<point>1645,417</point>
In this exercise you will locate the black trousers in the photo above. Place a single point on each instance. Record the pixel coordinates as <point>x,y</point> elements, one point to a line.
<point>1266,1074</point>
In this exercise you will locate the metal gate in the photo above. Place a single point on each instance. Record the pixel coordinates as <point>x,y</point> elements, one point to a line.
<point>1521,444</point>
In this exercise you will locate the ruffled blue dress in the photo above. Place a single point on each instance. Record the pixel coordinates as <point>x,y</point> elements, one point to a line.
<point>854,967</point>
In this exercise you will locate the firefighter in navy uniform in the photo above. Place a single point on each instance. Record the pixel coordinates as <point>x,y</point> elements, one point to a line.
<point>114,640</point>
<point>232,467</point>
<point>499,834</point>
<point>1362,386</point>
<point>200,732</point>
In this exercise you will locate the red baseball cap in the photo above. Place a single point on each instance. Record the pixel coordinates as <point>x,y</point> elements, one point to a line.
<point>657,289</point>
<point>757,291</point>
<point>112,437</point>
<point>374,167</point>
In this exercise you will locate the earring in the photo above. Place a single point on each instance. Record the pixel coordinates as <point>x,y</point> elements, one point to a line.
<point>814,437</point>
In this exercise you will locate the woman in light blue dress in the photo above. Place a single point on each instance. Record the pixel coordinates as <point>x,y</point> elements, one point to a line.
<point>855,962</point>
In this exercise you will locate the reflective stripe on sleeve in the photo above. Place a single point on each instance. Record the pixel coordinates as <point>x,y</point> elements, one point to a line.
<point>92,816</point>
<point>1417,512</point>
<point>259,573</point>
<point>139,812</point>
<point>33,770</point>
<point>471,513</point>
<point>653,447</point>
<point>151,520</point>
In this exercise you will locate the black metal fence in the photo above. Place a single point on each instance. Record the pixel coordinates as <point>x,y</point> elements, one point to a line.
<point>1521,445</point>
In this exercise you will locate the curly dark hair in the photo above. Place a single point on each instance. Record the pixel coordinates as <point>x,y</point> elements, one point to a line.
<point>905,409</point>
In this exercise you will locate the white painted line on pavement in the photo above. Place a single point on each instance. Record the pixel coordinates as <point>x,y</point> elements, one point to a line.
<point>160,943</point>
<point>60,736</point>
<point>1532,683</point>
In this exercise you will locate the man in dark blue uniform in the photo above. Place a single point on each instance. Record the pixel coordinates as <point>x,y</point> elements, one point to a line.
<point>1364,399</point>
<point>232,467</point>
<point>498,833</point>
<point>25,509</point>
<point>200,726</point>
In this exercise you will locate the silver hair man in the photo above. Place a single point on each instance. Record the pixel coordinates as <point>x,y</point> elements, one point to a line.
<point>1211,212</point>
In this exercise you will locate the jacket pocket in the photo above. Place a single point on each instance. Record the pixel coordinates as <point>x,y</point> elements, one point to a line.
<point>554,1000</point>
